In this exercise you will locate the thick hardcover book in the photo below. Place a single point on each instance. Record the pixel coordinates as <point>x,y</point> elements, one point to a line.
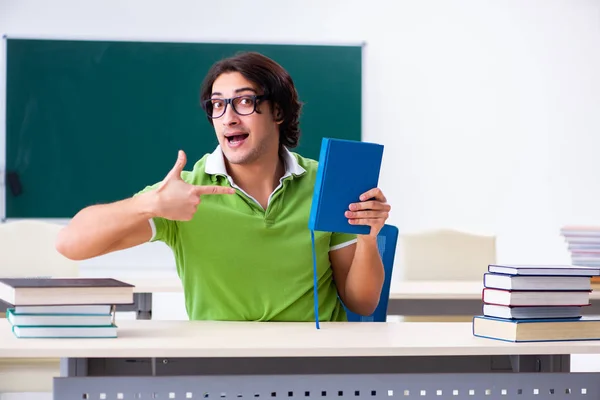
<point>537,330</point>
<point>64,291</point>
<point>62,282</point>
<point>346,170</point>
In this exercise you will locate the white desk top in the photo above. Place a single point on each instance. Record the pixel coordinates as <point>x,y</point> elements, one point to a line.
<point>154,338</point>
<point>399,290</point>
<point>402,290</point>
<point>447,290</point>
<point>155,285</point>
<point>455,290</point>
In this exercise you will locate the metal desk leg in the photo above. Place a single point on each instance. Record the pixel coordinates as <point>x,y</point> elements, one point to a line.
<point>71,367</point>
<point>3,307</point>
<point>143,302</point>
<point>545,363</point>
<point>428,307</point>
<point>142,305</point>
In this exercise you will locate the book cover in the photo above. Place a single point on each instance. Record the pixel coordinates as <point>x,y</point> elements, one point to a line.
<point>58,319</point>
<point>65,291</point>
<point>62,282</point>
<point>494,280</point>
<point>564,270</point>
<point>533,312</point>
<point>346,170</point>
<point>58,332</point>
<point>537,330</point>
<point>92,309</point>
<point>536,298</point>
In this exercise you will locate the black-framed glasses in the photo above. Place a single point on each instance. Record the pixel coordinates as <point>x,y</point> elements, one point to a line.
<point>242,105</point>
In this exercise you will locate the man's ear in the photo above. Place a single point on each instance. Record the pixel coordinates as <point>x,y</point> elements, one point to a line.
<point>278,114</point>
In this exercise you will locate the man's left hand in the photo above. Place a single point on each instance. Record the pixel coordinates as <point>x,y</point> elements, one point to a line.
<point>372,210</point>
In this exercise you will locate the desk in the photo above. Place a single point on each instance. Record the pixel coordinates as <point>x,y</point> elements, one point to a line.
<point>193,359</point>
<point>406,297</point>
<point>451,298</point>
<point>435,298</point>
<point>142,293</point>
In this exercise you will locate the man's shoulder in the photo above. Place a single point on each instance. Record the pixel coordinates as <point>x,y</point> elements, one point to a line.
<point>308,164</point>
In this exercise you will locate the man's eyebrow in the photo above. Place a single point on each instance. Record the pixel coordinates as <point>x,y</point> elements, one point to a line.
<point>244,89</point>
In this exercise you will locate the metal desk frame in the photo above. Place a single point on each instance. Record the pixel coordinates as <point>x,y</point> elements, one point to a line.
<point>410,377</point>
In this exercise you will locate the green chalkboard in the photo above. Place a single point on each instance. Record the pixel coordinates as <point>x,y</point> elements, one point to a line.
<point>91,122</point>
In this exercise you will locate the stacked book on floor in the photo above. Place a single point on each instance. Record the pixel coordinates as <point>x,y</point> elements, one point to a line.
<point>63,307</point>
<point>530,303</point>
<point>583,244</point>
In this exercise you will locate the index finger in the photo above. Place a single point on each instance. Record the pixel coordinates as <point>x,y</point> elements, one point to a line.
<point>214,190</point>
<point>375,193</point>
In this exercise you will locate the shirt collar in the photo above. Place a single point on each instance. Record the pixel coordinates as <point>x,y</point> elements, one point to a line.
<point>215,163</point>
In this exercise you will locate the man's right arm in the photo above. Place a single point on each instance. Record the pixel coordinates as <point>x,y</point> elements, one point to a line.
<point>104,228</point>
<point>101,229</point>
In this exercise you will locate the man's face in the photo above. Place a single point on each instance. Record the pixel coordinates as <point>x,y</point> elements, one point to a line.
<point>243,138</point>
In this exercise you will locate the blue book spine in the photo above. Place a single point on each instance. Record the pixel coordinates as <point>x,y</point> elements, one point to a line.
<point>313,217</point>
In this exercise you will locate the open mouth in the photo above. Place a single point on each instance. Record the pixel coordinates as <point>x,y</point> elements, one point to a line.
<point>236,140</point>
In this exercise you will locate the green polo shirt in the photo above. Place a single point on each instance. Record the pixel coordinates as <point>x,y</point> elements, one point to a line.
<point>239,262</point>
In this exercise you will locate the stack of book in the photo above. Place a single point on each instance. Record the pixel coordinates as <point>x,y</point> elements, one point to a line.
<point>529,303</point>
<point>583,244</point>
<point>64,307</point>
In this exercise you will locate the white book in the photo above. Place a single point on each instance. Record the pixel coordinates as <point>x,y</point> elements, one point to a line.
<point>57,319</point>
<point>64,291</point>
<point>538,298</point>
<point>89,309</point>
<point>498,311</point>
<point>582,239</point>
<point>535,282</point>
<point>564,270</point>
<point>65,331</point>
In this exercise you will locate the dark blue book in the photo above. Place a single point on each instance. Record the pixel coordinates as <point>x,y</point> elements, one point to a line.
<point>346,170</point>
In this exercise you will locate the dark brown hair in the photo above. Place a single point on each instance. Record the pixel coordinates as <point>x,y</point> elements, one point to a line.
<point>272,79</point>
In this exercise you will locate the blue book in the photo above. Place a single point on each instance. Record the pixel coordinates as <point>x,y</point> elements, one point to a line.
<point>346,170</point>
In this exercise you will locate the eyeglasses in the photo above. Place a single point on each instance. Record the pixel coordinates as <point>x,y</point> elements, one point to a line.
<point>242,105</point>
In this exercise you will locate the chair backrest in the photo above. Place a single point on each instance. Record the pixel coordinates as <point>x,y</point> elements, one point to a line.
<point>445,255</point>
<point>386,242</point>
<point>27,249</point>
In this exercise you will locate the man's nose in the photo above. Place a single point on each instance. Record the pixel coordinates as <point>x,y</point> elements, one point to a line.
<point>230,117</point>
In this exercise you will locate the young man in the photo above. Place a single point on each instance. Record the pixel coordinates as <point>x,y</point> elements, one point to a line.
<point>238,221</point>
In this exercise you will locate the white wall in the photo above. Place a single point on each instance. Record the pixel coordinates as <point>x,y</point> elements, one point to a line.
<point>488,109</point>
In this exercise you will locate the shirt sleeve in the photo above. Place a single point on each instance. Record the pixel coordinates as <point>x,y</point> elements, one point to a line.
<point>163,230</point>
<point>341,240</point>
